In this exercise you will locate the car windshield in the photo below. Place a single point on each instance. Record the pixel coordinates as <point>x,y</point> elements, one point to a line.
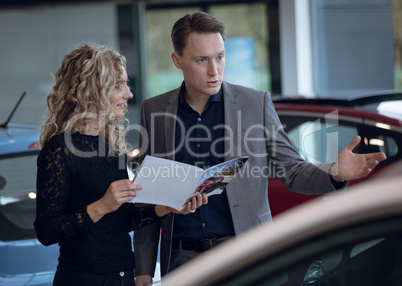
<point>17,197</point>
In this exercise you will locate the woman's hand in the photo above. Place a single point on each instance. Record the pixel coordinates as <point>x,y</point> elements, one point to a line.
<point>118,193</point>
<point>191,206</point>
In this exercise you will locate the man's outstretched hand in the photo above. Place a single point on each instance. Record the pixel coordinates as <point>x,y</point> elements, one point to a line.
<point>350,166</point>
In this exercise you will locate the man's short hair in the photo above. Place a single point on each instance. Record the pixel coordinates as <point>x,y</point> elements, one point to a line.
<point>200,22</point>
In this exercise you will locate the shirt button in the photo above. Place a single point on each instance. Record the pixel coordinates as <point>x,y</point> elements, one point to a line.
<point>198,145</point>
<point>121,273</point>
<point>198,119</point>
<point>204,224</point>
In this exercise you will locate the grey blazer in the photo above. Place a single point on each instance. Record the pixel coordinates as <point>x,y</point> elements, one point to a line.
<point>252,128</point>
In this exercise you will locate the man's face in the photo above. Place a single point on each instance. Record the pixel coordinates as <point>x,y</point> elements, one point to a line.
<point>202,63</point>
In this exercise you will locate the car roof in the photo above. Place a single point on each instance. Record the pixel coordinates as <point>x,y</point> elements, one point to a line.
<point>353,101</point>
<point>16,138</point>
<point>385,108</point>
<point>374,199</point>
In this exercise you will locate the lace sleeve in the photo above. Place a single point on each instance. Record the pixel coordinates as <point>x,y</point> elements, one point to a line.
<point>54,221</point>
<point>140,217</point>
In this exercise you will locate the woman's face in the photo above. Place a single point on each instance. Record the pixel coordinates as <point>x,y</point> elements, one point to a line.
<point>120,95</point>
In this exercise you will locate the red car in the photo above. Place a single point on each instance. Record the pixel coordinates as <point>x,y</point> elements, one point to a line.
<point>320,128</point>
<point>209,183</point>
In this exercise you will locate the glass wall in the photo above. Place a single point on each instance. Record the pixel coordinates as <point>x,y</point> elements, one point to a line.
<point>248,21</point>
<point>353,51</point>
<point>35,38</point>
<point>162,75</point>
<point>33,43</point>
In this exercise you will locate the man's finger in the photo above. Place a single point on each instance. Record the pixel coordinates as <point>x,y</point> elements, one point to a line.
<point>379,156</point>
<point>353,143</point>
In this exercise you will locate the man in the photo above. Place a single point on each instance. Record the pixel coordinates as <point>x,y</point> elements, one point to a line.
<point>207,121</point>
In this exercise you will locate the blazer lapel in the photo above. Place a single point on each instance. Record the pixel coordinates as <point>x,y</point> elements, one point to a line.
<point>170,123</point>
<point>231,119</point>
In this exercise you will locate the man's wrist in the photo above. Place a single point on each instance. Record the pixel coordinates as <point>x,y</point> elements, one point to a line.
<point>333,173</point>
<point>336,181</point>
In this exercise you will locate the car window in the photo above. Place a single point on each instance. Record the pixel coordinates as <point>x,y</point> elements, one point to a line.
<point>318,141</point>
<point>379,138</point>
<point>368,254</point>
<point>386,144</point>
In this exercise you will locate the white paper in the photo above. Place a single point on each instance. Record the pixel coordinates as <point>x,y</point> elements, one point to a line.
<point>171,183</point>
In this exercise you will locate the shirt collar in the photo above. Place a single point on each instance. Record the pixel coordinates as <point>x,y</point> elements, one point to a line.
<point>214,98</point>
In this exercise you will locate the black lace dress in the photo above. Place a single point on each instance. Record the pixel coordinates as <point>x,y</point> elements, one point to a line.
<point>72,173</point>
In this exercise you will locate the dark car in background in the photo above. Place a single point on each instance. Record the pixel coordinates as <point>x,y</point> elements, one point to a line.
<point>320,128</point>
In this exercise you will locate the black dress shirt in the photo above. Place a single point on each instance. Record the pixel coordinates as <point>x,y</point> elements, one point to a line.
<point>203,147</point>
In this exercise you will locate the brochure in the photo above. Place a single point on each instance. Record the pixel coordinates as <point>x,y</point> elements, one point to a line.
<point>170,183</point>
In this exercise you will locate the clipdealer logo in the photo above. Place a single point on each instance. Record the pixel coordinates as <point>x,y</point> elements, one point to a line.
<point>239,140</point>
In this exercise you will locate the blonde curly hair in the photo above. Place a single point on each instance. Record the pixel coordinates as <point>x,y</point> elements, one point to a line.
<point>83,87</point>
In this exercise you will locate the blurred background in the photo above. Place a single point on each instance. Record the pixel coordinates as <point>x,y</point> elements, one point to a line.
<point>314,48</point>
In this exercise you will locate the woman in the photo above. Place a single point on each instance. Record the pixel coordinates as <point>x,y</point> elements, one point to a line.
<point>82,181</point>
